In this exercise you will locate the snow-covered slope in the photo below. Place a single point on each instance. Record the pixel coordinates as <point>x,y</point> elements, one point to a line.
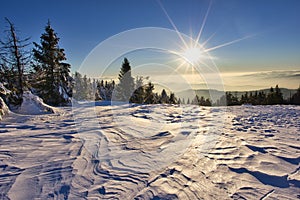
<point>152,152</point>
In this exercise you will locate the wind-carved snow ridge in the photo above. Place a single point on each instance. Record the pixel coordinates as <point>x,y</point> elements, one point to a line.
<point>87,124</point>
<point>127,143</point>
<point>104,151</point>
<point>142,137</point>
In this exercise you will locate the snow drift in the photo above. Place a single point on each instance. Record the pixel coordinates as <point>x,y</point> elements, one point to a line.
<point>3,107</point>
<point>33,105</point>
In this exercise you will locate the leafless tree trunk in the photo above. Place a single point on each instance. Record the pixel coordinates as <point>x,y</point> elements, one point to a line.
<point>16,53</point>
<point>14,58</point>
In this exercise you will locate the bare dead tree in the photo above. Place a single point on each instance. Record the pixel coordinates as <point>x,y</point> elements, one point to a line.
<point>14,59</point>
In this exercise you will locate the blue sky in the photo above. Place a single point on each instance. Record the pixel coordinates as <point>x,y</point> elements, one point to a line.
<point>273,24</point>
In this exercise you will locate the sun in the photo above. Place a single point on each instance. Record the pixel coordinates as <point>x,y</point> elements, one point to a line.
<point>192,55</point>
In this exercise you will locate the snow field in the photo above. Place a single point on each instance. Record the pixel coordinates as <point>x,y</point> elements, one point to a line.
<point>152,152</point>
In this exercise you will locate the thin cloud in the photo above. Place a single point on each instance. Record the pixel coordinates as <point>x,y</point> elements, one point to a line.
<point>274,74</point>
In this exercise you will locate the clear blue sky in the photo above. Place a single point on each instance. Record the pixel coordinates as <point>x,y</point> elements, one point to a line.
<point>81,25</point>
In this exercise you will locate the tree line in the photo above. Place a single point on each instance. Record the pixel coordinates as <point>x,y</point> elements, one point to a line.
<point>128,89</point>
<point>43,70</point>
<point>273,97</point>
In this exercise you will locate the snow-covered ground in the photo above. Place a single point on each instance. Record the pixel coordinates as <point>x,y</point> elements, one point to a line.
<point>152,152</point>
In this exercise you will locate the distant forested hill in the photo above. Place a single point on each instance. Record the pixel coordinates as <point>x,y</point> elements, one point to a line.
<point>190,94</point>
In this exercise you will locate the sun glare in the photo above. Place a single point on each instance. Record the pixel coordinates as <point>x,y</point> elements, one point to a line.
<point>192,55</point>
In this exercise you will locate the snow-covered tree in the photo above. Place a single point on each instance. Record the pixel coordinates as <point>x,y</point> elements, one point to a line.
<point>79,90</point>
<point>296,97</point>
<point>53,81</point>
<point>188,101</point>
<point>105,90</point>
<point>164,98</point>
<point>201,101</point>
<point>85,88</point>
<point>173,99</point>
<point>139,93</point>
<point>274,96</point>
<point>125,87</point>
<point>149,95</point>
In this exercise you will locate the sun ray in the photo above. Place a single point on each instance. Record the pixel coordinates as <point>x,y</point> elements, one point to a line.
<point>174,61</point>
<point>203,24</point>
<point>228,43</point>
<point>191,40</point>
<point>172,23</point>
<point>208,39</point>
<point>179,66</point>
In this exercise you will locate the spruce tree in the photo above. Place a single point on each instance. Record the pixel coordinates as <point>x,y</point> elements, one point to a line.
<point>246,98</point>
<point>202,101</point>
<point>172,99</point>
<point>80,87</point>
<point>164,98</point>
<point>150,97</point>
<point>105,90</point>
<point>296,97</point>
<point>139,94</point>
<point>275,96</point>
<point>196,100</point>
<point>278,95</point>
<point>53,82</point>
<point>207,102</point>
<point>179,101</point>
<point>125,87</point>
<point>233,100</point>
<point>261,98</point>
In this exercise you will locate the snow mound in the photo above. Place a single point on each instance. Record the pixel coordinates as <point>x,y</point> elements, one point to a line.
<point>3,108</point>
<point>34,105</point>
<point>3,89</point>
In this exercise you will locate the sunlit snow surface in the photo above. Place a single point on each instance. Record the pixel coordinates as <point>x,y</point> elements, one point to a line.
<point>152,152</point>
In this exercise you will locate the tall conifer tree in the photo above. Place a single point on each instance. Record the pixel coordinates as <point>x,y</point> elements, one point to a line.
<point>125,87</point>
<point>53,81</point>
